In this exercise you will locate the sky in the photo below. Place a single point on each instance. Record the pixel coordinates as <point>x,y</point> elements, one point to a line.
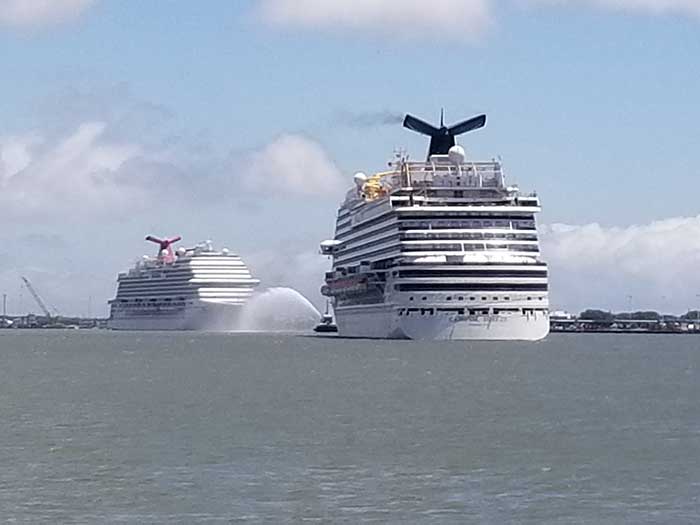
<point>243,122</point>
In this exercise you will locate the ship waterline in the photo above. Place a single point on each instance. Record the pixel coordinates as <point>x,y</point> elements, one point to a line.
<point>438,250</point>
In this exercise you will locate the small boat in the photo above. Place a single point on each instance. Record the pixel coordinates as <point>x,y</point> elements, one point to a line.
<point>326,325</point>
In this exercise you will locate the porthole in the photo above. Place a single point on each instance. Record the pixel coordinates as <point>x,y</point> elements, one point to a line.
<point>461,298</point>
<point>449,298</point>
<point>424,298</point>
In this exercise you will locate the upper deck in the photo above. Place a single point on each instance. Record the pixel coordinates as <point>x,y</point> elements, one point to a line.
<point>440,179</point>
<point>203,255</point>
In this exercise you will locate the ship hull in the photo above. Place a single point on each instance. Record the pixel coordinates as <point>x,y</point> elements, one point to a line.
<point>200,317</point>
<point>384,322</point>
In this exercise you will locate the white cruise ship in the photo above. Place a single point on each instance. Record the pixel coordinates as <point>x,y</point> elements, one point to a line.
<point>190,289</point>
<point>438,250</point>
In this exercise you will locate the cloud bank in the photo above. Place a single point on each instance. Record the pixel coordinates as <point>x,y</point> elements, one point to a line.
<point>82,171</point>
<point>642,266</point>
<point>454,19</point>
<point>31,13</point>
<point>89,172</point>
<point>689,7</point>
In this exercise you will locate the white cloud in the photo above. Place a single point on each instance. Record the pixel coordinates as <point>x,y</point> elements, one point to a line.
<point>291,164</point>
<point>656,264</point>
<point>691,7</point>
<point>453,19</point>
<point>27,13</point>
<point>83,171</point>
<point>437,19</point>
<point>91,170</point>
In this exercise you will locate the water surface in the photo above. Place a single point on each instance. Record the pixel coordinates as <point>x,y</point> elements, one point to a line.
<point>105,427</point>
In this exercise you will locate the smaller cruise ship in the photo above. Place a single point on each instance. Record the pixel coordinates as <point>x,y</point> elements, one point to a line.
<point>196,288</point>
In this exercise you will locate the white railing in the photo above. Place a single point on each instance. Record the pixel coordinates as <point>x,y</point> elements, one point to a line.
<point>446,174</point>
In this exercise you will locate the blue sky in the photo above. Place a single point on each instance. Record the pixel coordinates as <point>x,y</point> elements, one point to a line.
<point>595,106</point>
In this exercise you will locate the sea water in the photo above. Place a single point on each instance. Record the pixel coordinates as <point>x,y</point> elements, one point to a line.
<point>107,427</point>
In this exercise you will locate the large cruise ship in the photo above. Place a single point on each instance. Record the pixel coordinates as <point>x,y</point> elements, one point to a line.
<point>441,249</point>
<point>196,288</point>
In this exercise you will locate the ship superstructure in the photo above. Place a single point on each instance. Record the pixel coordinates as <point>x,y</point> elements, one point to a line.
<point>441,249</point>
<point>197,288</point>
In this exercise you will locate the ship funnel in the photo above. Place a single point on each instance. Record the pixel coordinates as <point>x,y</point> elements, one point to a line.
<point>165,247</point>
<point>443,138</point>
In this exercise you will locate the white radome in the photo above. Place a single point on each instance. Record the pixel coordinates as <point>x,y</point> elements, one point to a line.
<point>360,178</point>
<point>457,155</point>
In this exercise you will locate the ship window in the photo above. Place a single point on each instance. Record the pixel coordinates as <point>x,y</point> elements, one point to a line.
<point>484,298</point>
<point>495,298</point>
<point>410,298</point>
<point>506,298</point>
<point>449,297</point>
<point>424,298</point>
<point>461,298</point>
<point>472,298</point>
<point>529,298</point>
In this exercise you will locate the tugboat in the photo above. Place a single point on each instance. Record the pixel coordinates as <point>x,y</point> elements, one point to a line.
<point>326,325</point>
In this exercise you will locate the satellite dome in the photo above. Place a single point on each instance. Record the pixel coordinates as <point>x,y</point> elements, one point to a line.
<point>181,251</point>
<point>457,155</point>
<point>360,178</point>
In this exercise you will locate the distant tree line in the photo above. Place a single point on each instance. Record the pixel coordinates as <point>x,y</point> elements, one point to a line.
<point>603,316</point>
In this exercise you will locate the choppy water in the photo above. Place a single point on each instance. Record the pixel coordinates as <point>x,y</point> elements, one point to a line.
<point>99,427</point>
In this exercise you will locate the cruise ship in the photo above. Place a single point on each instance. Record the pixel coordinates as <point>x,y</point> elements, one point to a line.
<point>197,288</point>
<point>438,250</point>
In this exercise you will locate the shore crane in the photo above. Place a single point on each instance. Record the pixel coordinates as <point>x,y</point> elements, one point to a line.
<point>36,297</point>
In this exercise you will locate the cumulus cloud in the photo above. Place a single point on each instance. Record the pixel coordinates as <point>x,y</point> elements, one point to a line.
<point>91,170</point>
<point>291,164</point>
<point>642,266</point>
<point>691,7</point>
<point>29,13</point>
<point>75,172</point>
<point>453,19</point>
